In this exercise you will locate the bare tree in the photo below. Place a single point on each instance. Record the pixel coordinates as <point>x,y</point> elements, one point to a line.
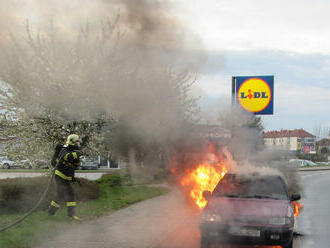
<point>321,131</point>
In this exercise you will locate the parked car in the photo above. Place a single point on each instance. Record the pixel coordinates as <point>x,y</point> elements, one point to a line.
<point>41,164</point>
<point>301,162</point>
<point>7,164</point>
<point>11,164</point>
<point>248,210</point>
<point>25,164</point>
<point>89,165</point>
<point>323,163</point>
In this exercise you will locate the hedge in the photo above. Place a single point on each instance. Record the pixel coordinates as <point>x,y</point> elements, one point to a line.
<point>115,179</point>
<point>118,179</point>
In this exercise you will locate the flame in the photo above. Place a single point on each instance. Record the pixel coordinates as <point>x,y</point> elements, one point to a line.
<point>204,169</point>
<point>263,246</point>
<point>297,208</point>
<point>173,170</point>
<point>205,177</point>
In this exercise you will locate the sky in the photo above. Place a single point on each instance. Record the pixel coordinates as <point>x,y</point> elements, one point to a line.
<point>287,39</point>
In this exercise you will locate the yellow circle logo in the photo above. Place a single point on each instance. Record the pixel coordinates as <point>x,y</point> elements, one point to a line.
<point>254,95</point>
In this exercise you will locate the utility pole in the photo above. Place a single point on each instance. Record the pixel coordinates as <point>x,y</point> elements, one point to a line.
<point>233,91</point>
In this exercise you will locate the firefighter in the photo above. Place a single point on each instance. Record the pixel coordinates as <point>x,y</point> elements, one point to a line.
<point>66,162</point>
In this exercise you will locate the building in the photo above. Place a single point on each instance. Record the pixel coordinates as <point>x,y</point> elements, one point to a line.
<point>323,148</point>
<point>296,141</point>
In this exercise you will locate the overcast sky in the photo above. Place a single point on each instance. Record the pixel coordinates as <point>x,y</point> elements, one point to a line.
<point>287,39</point>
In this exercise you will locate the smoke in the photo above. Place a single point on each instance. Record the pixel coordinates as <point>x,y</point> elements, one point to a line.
<point>134,60</point>
<point>77,60</point>
<point>152,22</point>
<point>242,153</point>
<point>249,151</point>
<point>147,24</point>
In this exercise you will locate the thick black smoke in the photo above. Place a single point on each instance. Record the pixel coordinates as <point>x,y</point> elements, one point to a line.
<point>132,60</point>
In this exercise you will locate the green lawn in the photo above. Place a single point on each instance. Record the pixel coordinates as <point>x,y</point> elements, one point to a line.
<point>39,226</point>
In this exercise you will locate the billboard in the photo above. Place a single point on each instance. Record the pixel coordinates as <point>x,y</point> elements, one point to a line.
<point>299,144</point>
<point>254,94</point>
<point>308,148</point>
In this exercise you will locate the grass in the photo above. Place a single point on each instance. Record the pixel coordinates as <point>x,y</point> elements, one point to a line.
<point>39,226</point>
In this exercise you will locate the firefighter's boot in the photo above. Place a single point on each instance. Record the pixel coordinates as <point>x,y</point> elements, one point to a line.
<point>72,210</point>
<point>76,218</point>
<point>53,207</point>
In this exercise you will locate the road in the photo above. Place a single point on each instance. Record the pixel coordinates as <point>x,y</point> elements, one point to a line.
<point>314,220</point>
<point>14,174</point>
<point>167,222</point>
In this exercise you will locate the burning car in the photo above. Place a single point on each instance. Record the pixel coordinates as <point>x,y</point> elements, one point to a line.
<point>248,210</point>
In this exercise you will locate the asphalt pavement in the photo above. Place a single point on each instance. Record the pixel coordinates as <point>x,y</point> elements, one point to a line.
<point>164,221</point>
<point>314,221</point>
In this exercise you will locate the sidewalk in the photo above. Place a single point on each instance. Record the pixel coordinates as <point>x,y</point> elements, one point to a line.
<point>147,224</point>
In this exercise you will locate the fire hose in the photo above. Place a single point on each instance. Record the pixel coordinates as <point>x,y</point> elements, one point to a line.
<point>34,208</point>
<point>15,223</point>
<point>28,213</point>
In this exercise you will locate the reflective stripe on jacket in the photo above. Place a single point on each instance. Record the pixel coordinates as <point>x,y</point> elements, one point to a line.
<point>60,174</point>
<point>68,162</point>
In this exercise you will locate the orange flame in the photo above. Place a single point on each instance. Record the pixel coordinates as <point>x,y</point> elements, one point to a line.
<point>205,167</point>
<point>297,208</point>
<point>205,177</point>
<point>268,246</point>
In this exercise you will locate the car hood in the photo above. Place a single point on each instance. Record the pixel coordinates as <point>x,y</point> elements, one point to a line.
<point>248,206</point>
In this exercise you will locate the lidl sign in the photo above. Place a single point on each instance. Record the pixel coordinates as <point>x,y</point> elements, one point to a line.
<point>254,94</point>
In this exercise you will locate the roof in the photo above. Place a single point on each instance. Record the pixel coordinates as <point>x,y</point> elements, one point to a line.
<point>324,142</point>
<point>300,133</point>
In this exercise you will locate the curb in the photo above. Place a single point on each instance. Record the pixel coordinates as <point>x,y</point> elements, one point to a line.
<point>317,168</point>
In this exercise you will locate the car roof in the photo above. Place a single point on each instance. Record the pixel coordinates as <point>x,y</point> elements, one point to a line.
<point>251,176</point>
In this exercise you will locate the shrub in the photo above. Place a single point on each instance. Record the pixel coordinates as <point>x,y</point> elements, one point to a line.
<point>115,179</point>
<point>88,190</point>
<point>141,178</point>
<point>21,194</point>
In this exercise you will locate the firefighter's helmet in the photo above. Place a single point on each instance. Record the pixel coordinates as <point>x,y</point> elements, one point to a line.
<point>73,140</point>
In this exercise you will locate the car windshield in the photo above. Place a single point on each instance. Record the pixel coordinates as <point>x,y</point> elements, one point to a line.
<point>271,187</point>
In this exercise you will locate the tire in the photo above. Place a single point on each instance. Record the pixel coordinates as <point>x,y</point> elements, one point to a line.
<point>290,245</point>
<point>6,166</point>
<point>205,243</point>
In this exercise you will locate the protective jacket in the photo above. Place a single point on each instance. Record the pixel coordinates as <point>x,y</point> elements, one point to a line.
<point>68,161</point>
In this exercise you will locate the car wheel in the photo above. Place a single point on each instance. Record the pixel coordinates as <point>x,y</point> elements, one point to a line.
<point>205,243</point>
<point>290,245</point>
<point>6,166</point>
